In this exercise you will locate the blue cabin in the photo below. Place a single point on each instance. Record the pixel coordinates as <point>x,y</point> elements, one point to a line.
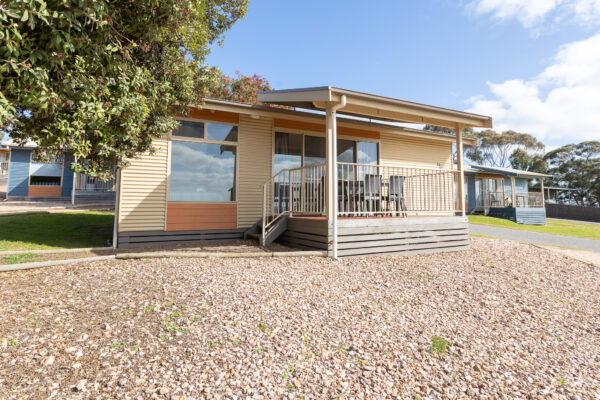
<point>30,179</point>
<point>504,193</point>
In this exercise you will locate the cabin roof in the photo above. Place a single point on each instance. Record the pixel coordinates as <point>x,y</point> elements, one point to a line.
<point>474,168</point>
<point>373,106</point>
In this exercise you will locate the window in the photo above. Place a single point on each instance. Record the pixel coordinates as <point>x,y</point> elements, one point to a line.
<point>190,129</point>
<point>45,173</point>
<point>288,151</point>
<point>227,133</point>
<point>366,153</point>
<point>314,150</point>
<point>201,170</point>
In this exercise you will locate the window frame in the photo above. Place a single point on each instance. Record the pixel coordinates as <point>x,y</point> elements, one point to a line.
<point>304,133</point>
<point>62,171</point>
<point>172,138</point>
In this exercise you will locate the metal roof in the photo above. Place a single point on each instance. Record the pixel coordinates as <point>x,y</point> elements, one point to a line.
<point>504,171</point>
<point>374,106</point>
<point>372,123</point>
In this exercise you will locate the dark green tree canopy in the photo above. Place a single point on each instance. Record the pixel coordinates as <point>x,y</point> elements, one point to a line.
<point>101,78</point>
<point>577,166</point>
<point>521,159</point>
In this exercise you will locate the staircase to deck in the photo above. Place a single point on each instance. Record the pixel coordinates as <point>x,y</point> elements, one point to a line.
<point>273,230</point>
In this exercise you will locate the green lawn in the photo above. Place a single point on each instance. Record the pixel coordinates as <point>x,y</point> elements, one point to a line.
<point>56,230</point>
<point>555,226</point>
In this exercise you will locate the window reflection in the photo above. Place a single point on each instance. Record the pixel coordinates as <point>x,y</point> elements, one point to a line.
<point>202,172</point>
<point>366,153</point>
<point>227,133</point>
<point>314,150</point>
<point>288,151</point>
<point>190,129</point>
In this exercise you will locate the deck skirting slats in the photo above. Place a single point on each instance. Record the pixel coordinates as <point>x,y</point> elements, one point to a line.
<point>380,236</point>
<point>160,238</point>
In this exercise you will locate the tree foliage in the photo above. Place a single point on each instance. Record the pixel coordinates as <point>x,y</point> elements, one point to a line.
<point>523,160</point>
<point>495,149</point>
<point>577,166</point>
<point>242,88</point>
<point>101,78</point>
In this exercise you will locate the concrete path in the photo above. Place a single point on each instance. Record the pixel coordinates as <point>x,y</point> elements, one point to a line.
<point>536,237</point>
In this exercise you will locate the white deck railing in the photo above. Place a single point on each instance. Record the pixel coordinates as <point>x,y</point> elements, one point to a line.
<point>529,199</point>
<point>4,168</point>
<point>89,184</point>
<point>363,190</point>
<point>380,190</point>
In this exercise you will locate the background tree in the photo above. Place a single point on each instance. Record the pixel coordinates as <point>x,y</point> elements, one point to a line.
<point>495,149</point>
<point>101,78</point>
<point>521,159</point>
<point>577,166</point>
<point>242,88</point>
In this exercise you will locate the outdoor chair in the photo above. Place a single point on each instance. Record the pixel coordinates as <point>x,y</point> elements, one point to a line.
<point>396,195</point>
<point>370,195</point>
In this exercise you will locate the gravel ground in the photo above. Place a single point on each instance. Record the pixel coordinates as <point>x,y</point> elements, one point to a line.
<point>503,320</point>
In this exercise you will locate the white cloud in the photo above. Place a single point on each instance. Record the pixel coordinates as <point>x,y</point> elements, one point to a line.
<point>561,104</point>
<point>532,12</point>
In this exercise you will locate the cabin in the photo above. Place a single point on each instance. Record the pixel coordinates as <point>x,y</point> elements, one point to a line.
<point>505,193</point>
<point>322,168</point>
<point>30,179</point>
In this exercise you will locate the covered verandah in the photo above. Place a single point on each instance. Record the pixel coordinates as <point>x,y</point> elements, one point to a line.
<point>354,209</point>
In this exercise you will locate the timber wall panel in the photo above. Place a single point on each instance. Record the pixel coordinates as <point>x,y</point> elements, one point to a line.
<point>255,147</point>
<point>144,191</point>
<point>201,216</point>
<point>45,191</point>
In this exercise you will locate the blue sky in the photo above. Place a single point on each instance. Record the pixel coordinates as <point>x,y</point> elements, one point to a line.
<point>489,56</point>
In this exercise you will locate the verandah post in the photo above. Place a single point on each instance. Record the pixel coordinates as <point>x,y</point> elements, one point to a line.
<point>461,175</point>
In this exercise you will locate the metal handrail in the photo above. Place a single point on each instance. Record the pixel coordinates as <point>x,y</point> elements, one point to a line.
<point>529,199</point>
<point>292,191</point>
<point>495,199</point>
<point>382,190</point>
<point>363,190</point>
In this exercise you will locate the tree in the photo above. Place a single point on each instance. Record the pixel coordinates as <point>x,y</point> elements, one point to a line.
<point>521,159</point>
<point>101,79</point>
<point>495,149</point>
<point>577,166</point>
<point>240,88</point>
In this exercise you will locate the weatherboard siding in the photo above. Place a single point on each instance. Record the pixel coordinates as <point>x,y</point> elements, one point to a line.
<point>255,148</point>
<point>18,175</point>
<point>143,191</point>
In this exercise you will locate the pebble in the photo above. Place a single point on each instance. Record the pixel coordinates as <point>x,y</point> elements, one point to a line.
<point>288,328</point>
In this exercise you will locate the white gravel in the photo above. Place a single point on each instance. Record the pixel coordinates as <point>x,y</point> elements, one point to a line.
<point>518,322</point>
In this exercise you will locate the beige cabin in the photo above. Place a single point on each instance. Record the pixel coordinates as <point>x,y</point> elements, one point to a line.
<point>235,170</point>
